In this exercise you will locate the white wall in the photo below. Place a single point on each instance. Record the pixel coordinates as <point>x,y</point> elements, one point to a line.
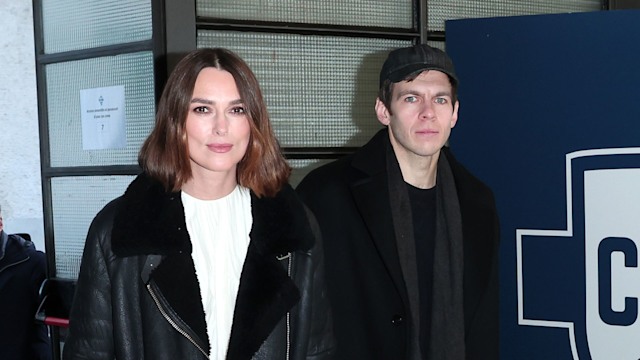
<point>20,185</point>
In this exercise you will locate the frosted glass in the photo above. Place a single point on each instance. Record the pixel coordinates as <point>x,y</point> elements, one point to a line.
<point>75,202</point>
<point>378,13</point>
<point>64,82</point>
<point>320,90</point>
<point>75,25</point>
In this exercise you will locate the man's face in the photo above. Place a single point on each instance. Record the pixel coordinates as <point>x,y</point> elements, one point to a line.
<point>423,115</point>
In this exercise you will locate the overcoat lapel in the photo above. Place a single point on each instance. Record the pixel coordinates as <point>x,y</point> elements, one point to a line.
<point>375,209</point>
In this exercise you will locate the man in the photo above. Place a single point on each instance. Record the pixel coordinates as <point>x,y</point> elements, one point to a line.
<point>22,270</point>
<point>411,237</point>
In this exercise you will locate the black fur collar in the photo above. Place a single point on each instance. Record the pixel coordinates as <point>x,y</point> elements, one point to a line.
<point>151,221</point>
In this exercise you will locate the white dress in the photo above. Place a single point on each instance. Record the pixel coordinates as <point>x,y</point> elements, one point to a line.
<point>219,231</point>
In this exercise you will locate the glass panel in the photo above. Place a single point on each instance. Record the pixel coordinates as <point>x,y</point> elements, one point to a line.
<point>75,25</point>
<point>441,10</point>
<point>437,44</point>
<point>320,90</point>
<point>75,201</point>
<point>301,167</point>
<point>64,82</point>
<point>379,13</point>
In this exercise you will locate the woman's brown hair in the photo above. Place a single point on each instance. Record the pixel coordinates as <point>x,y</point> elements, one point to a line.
<point>164,154</point>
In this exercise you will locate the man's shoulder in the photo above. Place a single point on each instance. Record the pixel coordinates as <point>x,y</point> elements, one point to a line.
<point>20,241</point>
<point>460,171</point>
<point>18,246</point>
<point>327,173</point>
<point>468,185</point>
<point>365,161</point>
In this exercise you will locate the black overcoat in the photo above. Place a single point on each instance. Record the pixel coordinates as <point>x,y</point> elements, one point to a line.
<point>350,200</point>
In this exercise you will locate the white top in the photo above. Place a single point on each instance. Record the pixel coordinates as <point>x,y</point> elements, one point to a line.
<point>219,231</point>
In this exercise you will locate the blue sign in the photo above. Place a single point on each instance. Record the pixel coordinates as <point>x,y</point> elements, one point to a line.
<point>603,206</point>
<point>550,120</point>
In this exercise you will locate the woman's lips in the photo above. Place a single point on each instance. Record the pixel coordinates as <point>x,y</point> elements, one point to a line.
<point>220,148</point>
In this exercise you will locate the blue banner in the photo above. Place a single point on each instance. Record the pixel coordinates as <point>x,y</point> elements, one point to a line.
<point>550,120</point>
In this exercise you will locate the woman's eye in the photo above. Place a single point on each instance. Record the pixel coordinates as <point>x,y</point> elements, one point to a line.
<point>201,109</point>
<point>238,110</point>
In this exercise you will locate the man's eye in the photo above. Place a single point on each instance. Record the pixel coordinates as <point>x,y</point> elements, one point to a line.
<point>410,99</point>
<point>441,100</point>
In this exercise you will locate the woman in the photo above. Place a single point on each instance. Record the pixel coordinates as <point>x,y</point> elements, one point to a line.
<point>209,253</point>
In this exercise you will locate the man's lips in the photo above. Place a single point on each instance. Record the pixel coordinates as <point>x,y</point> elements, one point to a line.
<point>426,132</point>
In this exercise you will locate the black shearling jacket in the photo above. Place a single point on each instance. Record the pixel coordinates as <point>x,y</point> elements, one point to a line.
<point>137,295</point>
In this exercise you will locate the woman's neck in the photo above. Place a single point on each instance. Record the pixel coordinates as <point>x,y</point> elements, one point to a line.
<point>211,187</point>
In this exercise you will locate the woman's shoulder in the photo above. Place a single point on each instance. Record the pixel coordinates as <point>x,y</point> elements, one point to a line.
<point>103,221</point>
<point>283,220</point>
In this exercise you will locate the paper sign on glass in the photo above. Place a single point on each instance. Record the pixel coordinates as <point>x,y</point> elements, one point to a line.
<point>103,118</point>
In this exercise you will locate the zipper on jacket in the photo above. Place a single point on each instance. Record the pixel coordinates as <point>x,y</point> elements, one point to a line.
<point>289,257</point>
<point>15,263</point>
<point>173,323</point>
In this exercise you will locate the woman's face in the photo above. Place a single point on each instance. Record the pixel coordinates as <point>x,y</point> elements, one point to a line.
<point>217,126</point>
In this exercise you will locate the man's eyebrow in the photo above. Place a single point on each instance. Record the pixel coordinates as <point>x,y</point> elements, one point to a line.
<point>443,93</point>
<point>402,93</point>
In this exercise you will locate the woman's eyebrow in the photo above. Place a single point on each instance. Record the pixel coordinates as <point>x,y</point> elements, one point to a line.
<point>202,101</point>
<point>211,102</point>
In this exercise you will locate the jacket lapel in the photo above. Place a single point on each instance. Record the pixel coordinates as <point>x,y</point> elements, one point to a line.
<point>150,221</point>
<point>265,296</point>
<point>266,292</point>
<point>375,209</point>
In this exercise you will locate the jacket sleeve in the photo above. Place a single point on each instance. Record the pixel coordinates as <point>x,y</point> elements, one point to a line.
<point>90,322</point>
<point>321,344</point>
<point>485,344</point>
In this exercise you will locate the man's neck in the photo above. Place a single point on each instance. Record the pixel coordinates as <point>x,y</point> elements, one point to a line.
<point>419,171</point>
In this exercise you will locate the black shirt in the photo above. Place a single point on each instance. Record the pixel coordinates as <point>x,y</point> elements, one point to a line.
<point>423,211</point>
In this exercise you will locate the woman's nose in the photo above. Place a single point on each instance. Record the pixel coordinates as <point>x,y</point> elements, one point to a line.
<point>221,126</point>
